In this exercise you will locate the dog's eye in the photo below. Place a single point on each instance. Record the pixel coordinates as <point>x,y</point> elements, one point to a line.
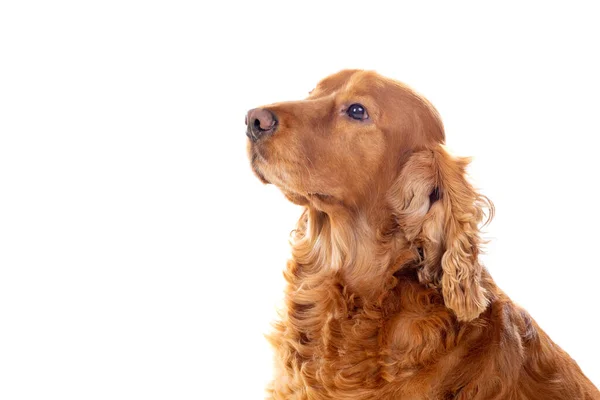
<point>357,111</point>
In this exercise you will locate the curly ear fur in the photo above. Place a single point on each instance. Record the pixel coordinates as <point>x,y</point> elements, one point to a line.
<point>439,213</point>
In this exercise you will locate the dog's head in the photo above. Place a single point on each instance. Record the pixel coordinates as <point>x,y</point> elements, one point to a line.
<point>367,145</point>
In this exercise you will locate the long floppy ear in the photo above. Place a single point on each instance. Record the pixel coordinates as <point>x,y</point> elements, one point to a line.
<point>439,212</point>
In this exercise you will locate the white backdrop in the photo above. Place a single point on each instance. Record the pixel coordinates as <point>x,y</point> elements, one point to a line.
<point>139,256</point>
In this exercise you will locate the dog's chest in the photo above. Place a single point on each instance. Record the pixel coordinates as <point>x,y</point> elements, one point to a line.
<point>338,345</point>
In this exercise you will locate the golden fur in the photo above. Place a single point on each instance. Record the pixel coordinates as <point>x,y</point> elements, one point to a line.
<point>386,296</point>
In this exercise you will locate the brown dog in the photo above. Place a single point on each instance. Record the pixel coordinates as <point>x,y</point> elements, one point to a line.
<point>386,296</point>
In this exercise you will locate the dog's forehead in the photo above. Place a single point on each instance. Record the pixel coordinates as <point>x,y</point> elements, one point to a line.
<point>353,82</point>
<point>336,81</point>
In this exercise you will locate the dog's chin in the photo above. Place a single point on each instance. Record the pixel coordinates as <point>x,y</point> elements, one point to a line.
<point>321,197</point>
<point>318,200</point>
<point>302,197</point>
<point>259,174</point>
<point>296,198</point>
<point>255,160</point>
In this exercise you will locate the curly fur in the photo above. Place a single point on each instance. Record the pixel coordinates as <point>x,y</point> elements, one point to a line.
<point>386,297</point>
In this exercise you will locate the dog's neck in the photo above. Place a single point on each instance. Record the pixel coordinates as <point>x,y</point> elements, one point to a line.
<point>363,250</point>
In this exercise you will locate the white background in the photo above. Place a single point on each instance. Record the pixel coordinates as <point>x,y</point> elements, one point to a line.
<point>141,259</point>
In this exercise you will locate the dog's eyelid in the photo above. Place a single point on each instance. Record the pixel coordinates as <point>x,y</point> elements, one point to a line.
<point>357,112</point>
<point>368,102</point>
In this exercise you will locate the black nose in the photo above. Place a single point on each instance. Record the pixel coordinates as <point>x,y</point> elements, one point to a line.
<point>260,122</point>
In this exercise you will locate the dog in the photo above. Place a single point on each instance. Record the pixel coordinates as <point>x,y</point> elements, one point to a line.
<point>386,296</point>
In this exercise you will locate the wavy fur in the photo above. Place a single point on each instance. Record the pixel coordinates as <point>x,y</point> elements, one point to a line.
<point>386,297</point>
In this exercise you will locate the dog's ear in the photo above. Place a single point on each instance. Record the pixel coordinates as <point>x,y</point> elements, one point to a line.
<point>439,213</point>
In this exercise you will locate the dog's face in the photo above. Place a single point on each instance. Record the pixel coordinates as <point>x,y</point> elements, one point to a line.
<point>339,145</point>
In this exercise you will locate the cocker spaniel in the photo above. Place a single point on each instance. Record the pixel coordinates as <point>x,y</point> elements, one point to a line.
<point>386,296</point>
